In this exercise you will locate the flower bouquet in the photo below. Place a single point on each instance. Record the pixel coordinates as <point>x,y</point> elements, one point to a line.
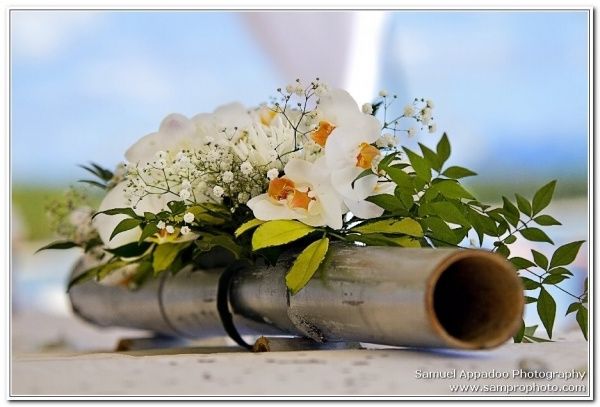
<point>307,169</point>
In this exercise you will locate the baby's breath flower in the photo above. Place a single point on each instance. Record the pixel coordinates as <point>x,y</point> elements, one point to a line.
<point>412,131</point>
<point>185,184</point>
<point>185,230</point>
<point>188,217</point>
<point>432,128</point>
<point>367,108</point>
<point>246,168</point>
<point>383,93</point>
<point>170,229</point>
<point>409,110</point>
<point>430,103</point>
<point>161,163</point>
<point>243,197</point>
<point>161,224</point>
<point>185,194</point>
<point>227,177</point>
<point>218,191</point>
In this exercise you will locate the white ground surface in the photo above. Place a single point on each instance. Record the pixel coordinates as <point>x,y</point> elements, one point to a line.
<point>63,356</point>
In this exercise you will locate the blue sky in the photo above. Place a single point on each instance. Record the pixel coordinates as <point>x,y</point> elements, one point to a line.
<point>510,88</point>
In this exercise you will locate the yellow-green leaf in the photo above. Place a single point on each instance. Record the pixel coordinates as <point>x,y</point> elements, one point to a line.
<point>406,226</point>
<point>306,265</point>
<point>206,215</point>
<point>405,241</point>
<point>165,254</point>
<point>247,226</point>
<point>279,232</point>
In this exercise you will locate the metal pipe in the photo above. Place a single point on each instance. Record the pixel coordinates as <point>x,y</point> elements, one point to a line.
<point>453,298</point>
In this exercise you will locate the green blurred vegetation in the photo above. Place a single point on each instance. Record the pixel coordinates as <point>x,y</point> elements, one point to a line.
<point>492,192</point>
<point>30,202</point>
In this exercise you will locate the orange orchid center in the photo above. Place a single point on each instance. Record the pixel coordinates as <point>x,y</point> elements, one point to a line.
<point>366,154</point>
<point>322,132</point>
<point>267,116</point>
<point>300,200</point>
<point>280,188</point>
<point>284,189</point>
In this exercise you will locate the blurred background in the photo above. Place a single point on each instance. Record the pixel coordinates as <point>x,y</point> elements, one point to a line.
<point>510,89</point>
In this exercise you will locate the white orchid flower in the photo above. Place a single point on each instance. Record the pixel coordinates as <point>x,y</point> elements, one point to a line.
<point>176,133</point>
<point>304,193</point>
<point>348,134</point>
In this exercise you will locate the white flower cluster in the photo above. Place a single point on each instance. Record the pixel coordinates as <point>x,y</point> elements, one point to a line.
<point>298,158</point>
<point>71,217</point>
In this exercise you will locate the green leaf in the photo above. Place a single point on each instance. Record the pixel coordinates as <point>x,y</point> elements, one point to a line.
<point>529,284</point>
<point>209,241</point>
<point>406,226</point>
<point>573,307</point>
<point>119,211</point>
<point>149,230</point>
<point>83,277</point>
<point>58,245</point>
<point>540,259</point>
<point>251,224</point>
<point>440,232</point>
<point>510,211</point>
<point>431,157</point>
<point>565,254</point>
<point>443,149</point>
<point>535,235</point>
<point>124,225</point>
<point>523,204</point>
<point>202,213</point>
<point>306,265</point>
<point>554,279</point>
<point>405,196</point>
<point>546,308</point>
<point>560,270</point>
<point>510,239</point>
<point>456,172</point>
<point>388,202</point>
<point>546,220</point>
<point>518,338</point>
<point>450,213</point>
<point>582,320</point>
<point>542,197</point>
<point>177,207</point>
<point>521,263</point>
<point>387,161</point>
<point>165,254</point>
<point>400,177</point>
<point>529,300</point>
<point>482,224</point>
<point>149,216</point>
<point>129,250</point>
<point>279,232</point>
<point>503,250</point>
<point>451,189</point>
<point>530,330</point>
<point>419,164</point>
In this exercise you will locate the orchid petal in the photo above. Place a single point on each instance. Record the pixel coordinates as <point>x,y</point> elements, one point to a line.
<point>363,209</point>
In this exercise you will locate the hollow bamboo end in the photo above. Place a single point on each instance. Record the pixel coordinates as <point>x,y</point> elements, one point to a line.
<point>475,300</point>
